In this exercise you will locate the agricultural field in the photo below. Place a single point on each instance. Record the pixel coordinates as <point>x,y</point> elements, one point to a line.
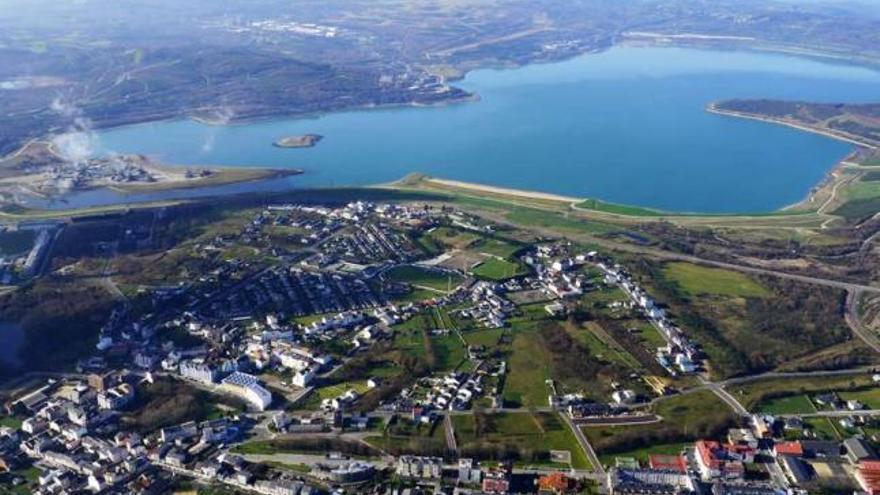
<point>526,437</point>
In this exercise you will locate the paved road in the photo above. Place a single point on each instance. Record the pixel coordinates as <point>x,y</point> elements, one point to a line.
<point>833,414</point>
<point>730,400</point>
<point>851,314</point>
<point>642,419</point>
<point>797,374</point>
<point>585,445</point>
<point>449,431</point>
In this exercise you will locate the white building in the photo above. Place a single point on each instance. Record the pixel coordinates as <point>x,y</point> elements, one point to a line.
<point>248,387</point>
<point>302,378</point>
<point>198,371</point>
<point>116,397</point>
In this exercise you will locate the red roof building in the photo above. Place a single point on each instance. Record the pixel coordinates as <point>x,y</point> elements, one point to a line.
<point>556,483</point>
<point>494,485</point>
<point>795,449</point>
<point>721,461</point>
<point>675,463</point>
<point>868,475</point>
<point>497,479</point>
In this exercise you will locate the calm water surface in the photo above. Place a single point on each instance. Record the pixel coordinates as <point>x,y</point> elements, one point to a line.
<point>627,125</point>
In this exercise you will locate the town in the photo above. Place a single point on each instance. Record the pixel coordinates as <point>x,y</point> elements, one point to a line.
<point>365,352</point>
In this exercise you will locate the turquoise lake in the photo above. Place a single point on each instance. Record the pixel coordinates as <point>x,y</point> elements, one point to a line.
<point>627,125</point>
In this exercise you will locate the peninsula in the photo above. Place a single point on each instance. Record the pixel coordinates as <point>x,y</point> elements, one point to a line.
<point>855,123</point>
<point>304,141</point>
<point>39,169</point>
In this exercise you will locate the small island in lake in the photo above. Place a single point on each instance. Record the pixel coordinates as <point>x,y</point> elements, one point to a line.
<point>304,141</point>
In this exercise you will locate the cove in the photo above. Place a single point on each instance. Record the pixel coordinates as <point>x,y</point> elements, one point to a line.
<point>627,125</point>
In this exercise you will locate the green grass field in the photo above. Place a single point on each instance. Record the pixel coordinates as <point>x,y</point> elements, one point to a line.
<point>10,421</point>
<point>531,217</point>
<point>795,404</point>
<point>603,345</point>
<point>694,280</point>
<point>754,395</point>
<point>642,454</point>
<point>520,431</point>
<point>423,277</point>
<point>488,337</point>
<point>449,350</point>
<point>617,209</point>
<point>858,209</point>
<point>451,237</point>
<point>333,391</point>
<point>415,295</point>
<point>649,334</point>
<point>499,269</point>
<point>686,418</point>
<point>495,247</point>
<point>870,397</point>
<point>528,371</point>
<point>410,338</point>
<point>408,438</point>
<point>823,428</point>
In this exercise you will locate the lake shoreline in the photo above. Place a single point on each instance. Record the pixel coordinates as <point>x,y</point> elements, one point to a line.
<point>830,177</point>
<point>713,108</point>
<point>331,168</point>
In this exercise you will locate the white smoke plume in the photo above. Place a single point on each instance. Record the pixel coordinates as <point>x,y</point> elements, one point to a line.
<point>208,145</point>
<point>79,142</point>
<point>221,116</point>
